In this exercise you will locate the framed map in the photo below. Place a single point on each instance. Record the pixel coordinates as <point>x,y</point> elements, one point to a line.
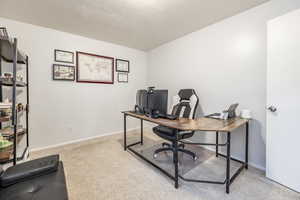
<point>93,68</point>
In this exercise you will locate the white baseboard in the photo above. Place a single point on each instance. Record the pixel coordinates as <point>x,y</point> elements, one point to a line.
<point>80,140</point>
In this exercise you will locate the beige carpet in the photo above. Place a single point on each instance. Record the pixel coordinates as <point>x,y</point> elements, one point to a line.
<point>101,169</point>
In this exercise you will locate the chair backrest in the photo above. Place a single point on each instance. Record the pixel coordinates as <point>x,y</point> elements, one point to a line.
<point>185,103</point>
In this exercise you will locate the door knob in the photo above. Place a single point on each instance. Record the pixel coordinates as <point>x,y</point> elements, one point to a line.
<point>272,108</point>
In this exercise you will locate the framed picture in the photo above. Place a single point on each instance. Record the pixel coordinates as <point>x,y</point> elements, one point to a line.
<point>122,65</point>
<point>93,68</point>
<point>63,56</point>
<point>123,77</point>
<point>63,72</point>
<point>3,32</point>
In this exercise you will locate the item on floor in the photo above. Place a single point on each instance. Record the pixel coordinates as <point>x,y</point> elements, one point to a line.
<point>63,56</point>
<point>93,68</point>
<point>63,72</point>
<point>122,77</point>
<point>42,178</point>
<point>246,114</point>
<point>122,65</point>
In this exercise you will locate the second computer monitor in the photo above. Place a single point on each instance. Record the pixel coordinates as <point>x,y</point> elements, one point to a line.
<point>158,101</point>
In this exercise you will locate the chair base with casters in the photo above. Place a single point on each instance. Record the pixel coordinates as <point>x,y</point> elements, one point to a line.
<point>169,135</point>
<point>170,147</point>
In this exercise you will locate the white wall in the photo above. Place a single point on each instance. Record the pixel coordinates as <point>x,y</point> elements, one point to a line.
<point>65,111</point>
<point>225,63</point>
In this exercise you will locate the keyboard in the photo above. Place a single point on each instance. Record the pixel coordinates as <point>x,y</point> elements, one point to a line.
<point>167,116</point>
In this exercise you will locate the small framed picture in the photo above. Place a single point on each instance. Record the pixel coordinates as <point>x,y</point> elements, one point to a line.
<point>63,72</point>
<point>3,32</point>
<point>63,56</point>
<point>122,65</point>
<point>123,77</point>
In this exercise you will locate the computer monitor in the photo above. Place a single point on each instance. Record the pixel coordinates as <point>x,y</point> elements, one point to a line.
<point>141,101</point>
<point>158,102</point>
<point>151,101</point>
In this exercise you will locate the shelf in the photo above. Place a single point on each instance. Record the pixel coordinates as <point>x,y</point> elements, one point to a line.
<point>10,84</point>
<point>8,133</point>
<point>5,119</point>
<point>6,156</point>
<point>6,46</point>
<point>10,156</point>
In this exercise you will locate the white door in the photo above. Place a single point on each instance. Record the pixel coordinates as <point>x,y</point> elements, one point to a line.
<point>283,93</point>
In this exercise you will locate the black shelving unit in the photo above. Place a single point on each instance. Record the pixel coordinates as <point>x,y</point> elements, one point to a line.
<point>9,53</point>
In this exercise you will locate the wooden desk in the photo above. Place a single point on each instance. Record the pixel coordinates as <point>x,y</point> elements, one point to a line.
<point>200,124</point>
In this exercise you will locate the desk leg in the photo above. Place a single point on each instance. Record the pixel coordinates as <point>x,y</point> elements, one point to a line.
<point>228,163</point>
<point>217,144</point>
<point>247,144</point>
<point>176,159</point>
<point>142,132</point>
<point>125,142</point>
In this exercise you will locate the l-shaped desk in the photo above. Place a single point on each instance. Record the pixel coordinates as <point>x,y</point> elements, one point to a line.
<point>200,124</point>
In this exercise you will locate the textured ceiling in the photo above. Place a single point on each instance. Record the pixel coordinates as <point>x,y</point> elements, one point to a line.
<point>140,24</point>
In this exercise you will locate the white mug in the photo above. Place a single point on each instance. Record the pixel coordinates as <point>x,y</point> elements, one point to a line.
<point>246,114</point>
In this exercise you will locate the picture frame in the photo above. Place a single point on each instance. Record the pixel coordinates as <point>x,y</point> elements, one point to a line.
<point>122,77</point>
<point>3,32</point>
<point>122,65</point>
<point>63,72</point>
<point>63,56</point>
<point>92,68</point>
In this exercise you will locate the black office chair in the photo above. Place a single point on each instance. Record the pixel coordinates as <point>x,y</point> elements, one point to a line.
<point>184,105</point>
